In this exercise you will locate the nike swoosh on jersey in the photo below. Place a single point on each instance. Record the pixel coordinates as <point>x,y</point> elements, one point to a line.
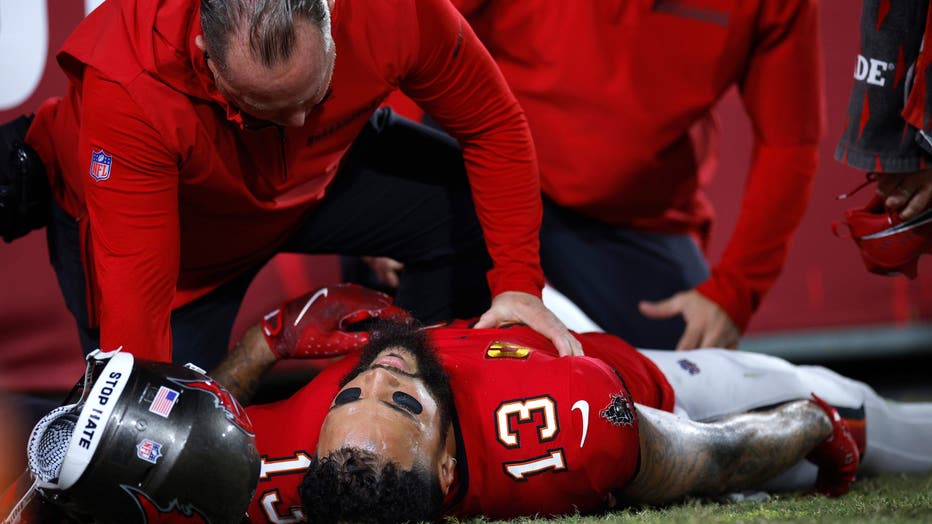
<point>583,408</point>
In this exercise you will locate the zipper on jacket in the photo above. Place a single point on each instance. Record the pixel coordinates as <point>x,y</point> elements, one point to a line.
<point>281,148</point>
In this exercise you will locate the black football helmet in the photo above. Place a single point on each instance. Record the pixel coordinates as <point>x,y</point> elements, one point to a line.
<point>146,442</point>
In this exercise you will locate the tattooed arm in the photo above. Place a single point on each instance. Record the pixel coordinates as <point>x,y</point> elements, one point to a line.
<point>241,371</point>
<point>681,457</point>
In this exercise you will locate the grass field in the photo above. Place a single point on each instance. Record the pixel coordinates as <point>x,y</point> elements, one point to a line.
<point>885,499</point>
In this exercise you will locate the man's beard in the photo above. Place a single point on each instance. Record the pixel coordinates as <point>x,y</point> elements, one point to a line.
<point>413,339</point>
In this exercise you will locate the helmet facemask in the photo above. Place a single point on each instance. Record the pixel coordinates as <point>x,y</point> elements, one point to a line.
<point>136,440</point>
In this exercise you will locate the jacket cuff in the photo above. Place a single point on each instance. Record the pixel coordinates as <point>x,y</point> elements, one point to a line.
<point>732,295</point>
<point>526,280</point>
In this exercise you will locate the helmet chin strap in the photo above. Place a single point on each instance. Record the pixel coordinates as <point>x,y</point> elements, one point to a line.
<point>23,490</point>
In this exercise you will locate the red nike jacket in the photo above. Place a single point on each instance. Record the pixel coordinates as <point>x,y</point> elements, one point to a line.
<point>174,197</point>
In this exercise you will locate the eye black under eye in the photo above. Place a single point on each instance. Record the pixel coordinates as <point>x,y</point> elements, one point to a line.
<point>347,395</point>
<point>408,402</point>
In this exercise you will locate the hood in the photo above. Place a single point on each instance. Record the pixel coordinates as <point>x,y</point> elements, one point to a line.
<point>124,39</point>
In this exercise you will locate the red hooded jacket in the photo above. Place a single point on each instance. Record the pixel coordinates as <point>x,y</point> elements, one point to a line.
<point>174,197</point>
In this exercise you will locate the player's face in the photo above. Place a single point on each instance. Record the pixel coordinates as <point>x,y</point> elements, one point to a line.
<point>285,93</point>
<point>386,409</point>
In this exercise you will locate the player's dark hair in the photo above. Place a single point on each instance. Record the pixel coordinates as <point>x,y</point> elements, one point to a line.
<point>270,25</point>
<point>355,485</point>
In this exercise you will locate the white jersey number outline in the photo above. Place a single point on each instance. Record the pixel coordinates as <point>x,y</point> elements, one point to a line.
<point>547,430</point>
<point>269,499</point>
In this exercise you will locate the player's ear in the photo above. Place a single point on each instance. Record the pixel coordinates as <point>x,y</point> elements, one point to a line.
<point>447,472</point>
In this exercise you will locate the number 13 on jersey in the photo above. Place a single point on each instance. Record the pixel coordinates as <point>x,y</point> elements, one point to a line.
<point>509,415</point>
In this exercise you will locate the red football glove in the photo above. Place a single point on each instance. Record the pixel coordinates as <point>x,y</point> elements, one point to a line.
<point>317,325</point>
<point>837,456</point>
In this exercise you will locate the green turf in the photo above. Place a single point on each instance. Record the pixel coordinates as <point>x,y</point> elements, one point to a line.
<point>885,499</point>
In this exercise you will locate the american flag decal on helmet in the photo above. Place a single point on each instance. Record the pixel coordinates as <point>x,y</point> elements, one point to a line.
<point>101,163</point>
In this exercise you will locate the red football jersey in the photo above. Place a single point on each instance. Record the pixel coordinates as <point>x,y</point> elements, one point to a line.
<point>536,433</point>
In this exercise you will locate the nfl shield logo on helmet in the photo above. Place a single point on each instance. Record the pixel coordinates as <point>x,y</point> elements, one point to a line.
<point>149,450</point>
<point>100,165</point>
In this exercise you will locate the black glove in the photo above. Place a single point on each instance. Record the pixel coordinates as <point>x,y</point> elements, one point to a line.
<point>25,196</point>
